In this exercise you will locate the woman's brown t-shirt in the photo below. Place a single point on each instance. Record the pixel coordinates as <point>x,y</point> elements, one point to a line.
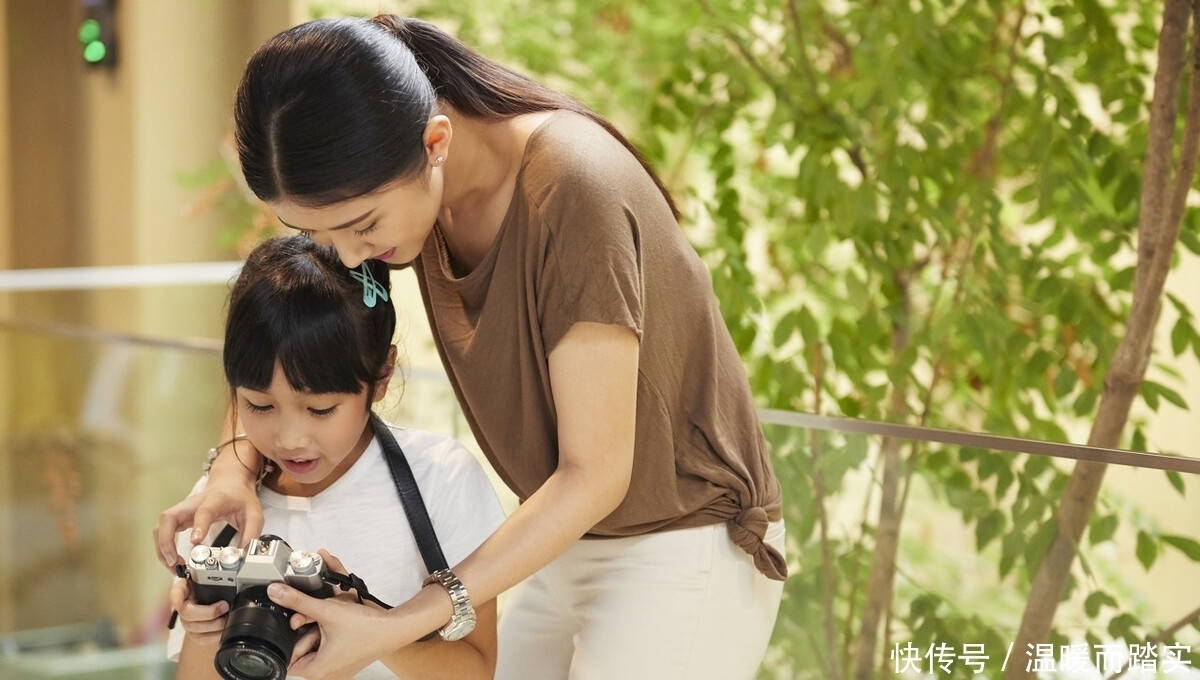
<point>589,237</point>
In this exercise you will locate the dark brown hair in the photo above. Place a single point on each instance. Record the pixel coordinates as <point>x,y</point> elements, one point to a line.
<point>333,109</point>
<point>295,303</point>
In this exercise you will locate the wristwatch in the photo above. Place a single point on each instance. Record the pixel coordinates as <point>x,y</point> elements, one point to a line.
<point>462,621</point>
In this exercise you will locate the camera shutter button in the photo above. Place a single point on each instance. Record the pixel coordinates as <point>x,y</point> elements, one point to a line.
<point>200,554</point>
<point>304,562</point>
<point>229,557</point>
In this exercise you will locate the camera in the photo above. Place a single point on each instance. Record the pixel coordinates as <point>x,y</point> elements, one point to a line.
<point>257,642</point>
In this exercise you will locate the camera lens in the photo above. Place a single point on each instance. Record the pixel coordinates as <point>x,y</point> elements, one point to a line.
<point>257,642</point>
<point>252,664</point>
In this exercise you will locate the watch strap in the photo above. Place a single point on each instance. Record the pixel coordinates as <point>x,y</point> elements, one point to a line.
<point>463,613</point>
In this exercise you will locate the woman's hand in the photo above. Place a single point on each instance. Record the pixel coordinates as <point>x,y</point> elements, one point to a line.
<point>230,493</point>
<point>350,635</point>
<point>203,623</point>
<point>310,633</point>
<point>338,637</point>
<point>229,500</point>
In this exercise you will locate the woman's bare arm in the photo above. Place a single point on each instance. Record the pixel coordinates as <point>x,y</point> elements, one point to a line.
<point>593,373</point>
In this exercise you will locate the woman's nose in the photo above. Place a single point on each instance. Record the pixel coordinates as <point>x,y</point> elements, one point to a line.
<point>351,249</point>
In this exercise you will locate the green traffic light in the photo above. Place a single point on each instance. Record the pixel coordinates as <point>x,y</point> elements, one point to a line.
<point>93,52</point>
<point>89,31</point>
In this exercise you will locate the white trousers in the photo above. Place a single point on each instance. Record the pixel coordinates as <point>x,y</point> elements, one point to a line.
<point>674,605</point>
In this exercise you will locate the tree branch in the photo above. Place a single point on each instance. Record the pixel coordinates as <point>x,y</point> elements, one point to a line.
<point>887,529</point>
<point>828,582</point>
<point>1162,636</point>
<point>1156,242</point>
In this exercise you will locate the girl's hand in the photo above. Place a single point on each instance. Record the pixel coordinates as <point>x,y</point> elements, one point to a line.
<point>203,623</point>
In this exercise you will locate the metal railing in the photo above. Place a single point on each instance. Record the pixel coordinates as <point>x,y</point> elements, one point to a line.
<point>31,651</point>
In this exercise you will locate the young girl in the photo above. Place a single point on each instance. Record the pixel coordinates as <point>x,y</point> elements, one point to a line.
<point>581,335</point>
<point>305,356</point>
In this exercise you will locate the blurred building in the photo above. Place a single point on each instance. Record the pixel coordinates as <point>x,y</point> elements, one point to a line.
<point>106,110</point>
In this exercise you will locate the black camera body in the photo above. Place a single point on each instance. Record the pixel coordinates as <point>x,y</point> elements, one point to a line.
<point>258,639</point>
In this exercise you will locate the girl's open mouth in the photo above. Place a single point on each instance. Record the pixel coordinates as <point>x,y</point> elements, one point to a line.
<point>299,467</point>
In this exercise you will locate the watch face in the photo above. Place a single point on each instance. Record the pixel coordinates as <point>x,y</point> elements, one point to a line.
<point>459,628</point>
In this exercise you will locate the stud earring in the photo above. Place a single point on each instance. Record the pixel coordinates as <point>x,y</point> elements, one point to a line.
<point>439,160</point>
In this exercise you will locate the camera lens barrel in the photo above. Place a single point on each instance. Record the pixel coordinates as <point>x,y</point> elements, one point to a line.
<point>258,641</point>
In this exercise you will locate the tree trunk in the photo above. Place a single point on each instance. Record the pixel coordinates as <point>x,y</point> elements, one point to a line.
<point>887,529</point>
<point>1160,216</point>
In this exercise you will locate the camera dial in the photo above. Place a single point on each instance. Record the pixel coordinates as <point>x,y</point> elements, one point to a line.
<point>229,557</point>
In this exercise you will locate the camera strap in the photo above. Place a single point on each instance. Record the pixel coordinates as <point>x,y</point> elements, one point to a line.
<point>414,505</point>
<point>410,498</point>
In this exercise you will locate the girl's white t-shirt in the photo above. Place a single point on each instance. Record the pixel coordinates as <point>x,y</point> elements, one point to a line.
<point>359,519</point>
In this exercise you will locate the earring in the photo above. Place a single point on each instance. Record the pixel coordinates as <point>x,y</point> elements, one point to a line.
<point>439,160</point>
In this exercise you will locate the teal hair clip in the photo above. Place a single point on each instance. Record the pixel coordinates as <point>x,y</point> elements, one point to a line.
<point>372,291</point>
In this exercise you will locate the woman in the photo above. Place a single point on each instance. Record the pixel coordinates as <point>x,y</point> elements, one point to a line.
<point>579,331</point>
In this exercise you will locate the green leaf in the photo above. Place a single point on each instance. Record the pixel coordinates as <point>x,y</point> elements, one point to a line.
<point>988,527</point>
<point>1138,440</point>
<point>1176,481</point>
<point>850,407</point>
<point>1173,397</point>
<point>1187,546</point>
<point>1149,395</point>
<point>1151,391</point>
<point>1036,466</point>
<point>1040,361</point>
<point>809,329</point>
<point>1147,549</point>
<point>1085,403</point>
<point>1123,279</point>
<point>1144,36</point>
<point>1096,600</point>
<point>1102,529</point>
<point>1036,548</point>
<point>1190,241</point>
<point>1064,382</point>
<point>1026,194</point>
<point>1011,547</point>
<point>784,329</point>
<point>1182,334</point>
<point>1121,626</point>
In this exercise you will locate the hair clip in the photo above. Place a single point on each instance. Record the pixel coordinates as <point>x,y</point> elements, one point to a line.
<point>371,288</point>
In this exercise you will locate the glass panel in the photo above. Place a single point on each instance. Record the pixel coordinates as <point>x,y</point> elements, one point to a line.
<point>99,436</point>
<point>103,428</point>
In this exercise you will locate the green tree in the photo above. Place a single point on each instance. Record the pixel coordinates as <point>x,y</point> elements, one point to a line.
<point>922,212</point>
<point>1167,179</point>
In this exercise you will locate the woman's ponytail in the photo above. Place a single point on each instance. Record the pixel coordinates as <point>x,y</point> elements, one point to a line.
<point>481,88</point>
